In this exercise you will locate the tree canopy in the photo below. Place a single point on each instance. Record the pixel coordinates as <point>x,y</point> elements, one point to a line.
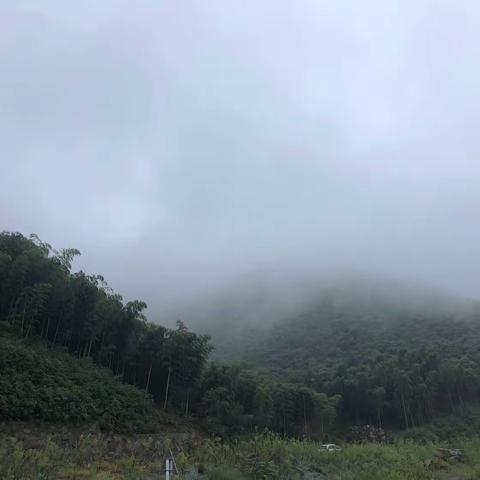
<point>331,367</point>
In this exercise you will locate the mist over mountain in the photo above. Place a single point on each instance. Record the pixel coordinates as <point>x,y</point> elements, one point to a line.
<point>253,220</point>
<point>200,142</point>
<point>351,352</point>
<point>245,309</point>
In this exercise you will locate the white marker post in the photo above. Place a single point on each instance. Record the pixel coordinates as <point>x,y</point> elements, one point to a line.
<point>167,469</point>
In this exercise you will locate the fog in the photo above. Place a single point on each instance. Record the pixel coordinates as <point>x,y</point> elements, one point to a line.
<point>189,149</point>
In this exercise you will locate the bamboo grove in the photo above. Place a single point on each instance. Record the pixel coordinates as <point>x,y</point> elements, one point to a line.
<point>78,313</point>
<point>304,377</point>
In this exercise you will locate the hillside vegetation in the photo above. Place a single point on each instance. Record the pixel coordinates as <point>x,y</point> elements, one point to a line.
<point>48,385</point>
<point>353,359</point>
<point>389,367</point>
<point>43,302</point>
<point>259,457</point>
<point>40,298</point>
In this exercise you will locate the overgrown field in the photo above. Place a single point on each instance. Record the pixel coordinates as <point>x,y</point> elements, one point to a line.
<point>260,457</point>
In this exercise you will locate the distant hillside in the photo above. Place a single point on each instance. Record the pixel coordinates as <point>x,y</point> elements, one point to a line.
<point>37,383</point>
<point>334,335</point>
<point>317,356</point>
<point>245,311</point>
<point>397,357</point>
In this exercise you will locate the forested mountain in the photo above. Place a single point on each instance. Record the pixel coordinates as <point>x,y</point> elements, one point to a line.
<point>243,310</point>
<point>80,315</point>
<point>390,365</point>
<point>41,299</point>
<point>365,353</point>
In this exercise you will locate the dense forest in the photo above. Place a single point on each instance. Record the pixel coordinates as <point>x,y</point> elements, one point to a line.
<point>79,314</point>
<point>390,369</point>
<point>308,376</point>
<point>53,386</point>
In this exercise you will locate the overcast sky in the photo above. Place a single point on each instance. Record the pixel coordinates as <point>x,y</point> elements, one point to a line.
<point>183,144</point>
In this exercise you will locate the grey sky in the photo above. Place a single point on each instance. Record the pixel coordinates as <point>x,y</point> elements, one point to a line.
<point>181,145</point>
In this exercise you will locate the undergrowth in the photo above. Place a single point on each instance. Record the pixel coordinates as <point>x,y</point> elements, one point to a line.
<point>263,456</point>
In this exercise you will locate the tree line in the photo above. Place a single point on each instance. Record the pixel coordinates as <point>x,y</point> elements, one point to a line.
<point>327,369</point>
<point>41,297</point>
<point>390,369</point>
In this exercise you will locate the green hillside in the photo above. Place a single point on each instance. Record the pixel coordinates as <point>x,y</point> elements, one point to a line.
<point>375,353</point>
<point>389,366</point>
<point>37,383</point>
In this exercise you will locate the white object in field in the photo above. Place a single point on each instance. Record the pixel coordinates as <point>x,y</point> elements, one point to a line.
<point>330,447</point>
<point>168,468</point>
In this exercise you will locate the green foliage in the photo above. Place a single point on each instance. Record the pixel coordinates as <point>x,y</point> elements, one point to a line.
<point>18,463</point>
<point>235,401</point>
<point>265,456</point>
<point>42,384</point>
<point>464,423</point>
<point>271,457</point>
<point>224,472</point>
<point>305,378</point>
<point>386,367</point>
<point>79,314</point>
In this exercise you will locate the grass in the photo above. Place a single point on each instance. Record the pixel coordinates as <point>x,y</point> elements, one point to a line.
<point>263,456</point>
<point>268,456</point>
<point>465,422</point>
